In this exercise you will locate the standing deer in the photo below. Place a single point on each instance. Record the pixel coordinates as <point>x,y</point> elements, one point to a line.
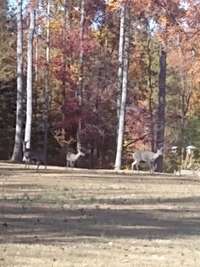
<point>32,157</point>
<point>71,158</point>
<point>146,156</point>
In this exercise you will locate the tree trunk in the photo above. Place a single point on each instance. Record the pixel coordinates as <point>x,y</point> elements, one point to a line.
<point>38,6</point>
<point>150,98</point>
<point>81,62</point>
<point>184,101</point>
<point>17,151</point>
<point>29,85</point>
<point>47,91</point>
<point>65,28</point>
<point>122,111</point>
<point>120,57</point>
<point>160,138</point>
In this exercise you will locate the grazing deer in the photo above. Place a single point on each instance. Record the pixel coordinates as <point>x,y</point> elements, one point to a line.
<point>71,158</point>
<point>146,156</point>
<point>32,157</point>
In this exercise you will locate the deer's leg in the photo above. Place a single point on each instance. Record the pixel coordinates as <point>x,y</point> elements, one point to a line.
<point>38,164</point>
<point>133,164</point>
<point>72,164</point>
<point>153,166</point>
<point>150,165</point>
<point>69,164</point>
<point>136,165</point>
<point>25,163</point>
<point>28,164</point>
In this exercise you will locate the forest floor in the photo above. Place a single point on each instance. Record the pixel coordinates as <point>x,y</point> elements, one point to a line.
<point>75,218</point>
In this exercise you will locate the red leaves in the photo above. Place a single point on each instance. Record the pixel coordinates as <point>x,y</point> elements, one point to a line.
<point>71,46</point>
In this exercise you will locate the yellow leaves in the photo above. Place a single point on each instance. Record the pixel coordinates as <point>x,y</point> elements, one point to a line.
<point>194,71</point>
<point>74,68</point>
<point>101,34</point>
<point>163,21</point>
<point>113,5</point>
<point>55,25</point>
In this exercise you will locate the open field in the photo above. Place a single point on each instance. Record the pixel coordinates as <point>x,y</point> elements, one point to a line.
<point>75,218</point>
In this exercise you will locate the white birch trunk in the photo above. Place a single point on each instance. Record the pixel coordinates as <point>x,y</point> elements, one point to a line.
<point>29,85</point>
<point>120,57</point>
<point>81,56</point>
<point>36,40</point>
<point>65,28</point>
<point>17,151</point>
<point>81,62</point>
<point>123,97</point>
<point>47,91</point>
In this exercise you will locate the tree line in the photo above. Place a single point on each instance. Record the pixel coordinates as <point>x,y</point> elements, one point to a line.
<point>110,77</point>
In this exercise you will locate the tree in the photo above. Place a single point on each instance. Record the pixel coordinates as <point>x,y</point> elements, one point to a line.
<point>120,57</point>
<point>47,90</point>
<point>7,44</point>
<point>160,138</point>
<point>124,87</point>
<point>85,77</point>
<point>81,63</point>
<point>29,82</point>
<point>17,151</point>
<point>65,28</point>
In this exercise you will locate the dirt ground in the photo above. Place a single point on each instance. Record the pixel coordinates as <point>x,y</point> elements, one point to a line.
<point>75,218</point>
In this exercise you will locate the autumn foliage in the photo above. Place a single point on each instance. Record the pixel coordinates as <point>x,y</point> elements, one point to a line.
<point>173,24</point>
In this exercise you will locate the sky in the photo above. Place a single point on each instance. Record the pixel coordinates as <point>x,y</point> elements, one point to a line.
<point>13,2</point>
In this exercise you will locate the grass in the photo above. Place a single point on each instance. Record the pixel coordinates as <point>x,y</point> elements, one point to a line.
<point>87,218</point>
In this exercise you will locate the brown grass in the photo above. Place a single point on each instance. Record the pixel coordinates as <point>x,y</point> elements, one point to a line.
<point>59,217</point>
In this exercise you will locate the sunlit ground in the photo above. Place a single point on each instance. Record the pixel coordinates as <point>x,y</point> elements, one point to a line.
<point>60,217</point>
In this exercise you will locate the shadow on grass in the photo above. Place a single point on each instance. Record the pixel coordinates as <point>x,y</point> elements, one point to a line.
<point>49,224</point>
<point>30,219</point>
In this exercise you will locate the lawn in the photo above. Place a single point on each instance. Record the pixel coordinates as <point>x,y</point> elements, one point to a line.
<point>75,218</point>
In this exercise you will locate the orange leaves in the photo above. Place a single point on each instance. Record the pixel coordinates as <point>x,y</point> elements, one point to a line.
<point>137,5</point>
<point>195,70</point>
<point>163,21</point>
<point>56,25</point>
<point>141,6</point>
<point>113,5</point>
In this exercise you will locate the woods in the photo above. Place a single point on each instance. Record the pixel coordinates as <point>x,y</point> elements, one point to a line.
<point>101,78</point>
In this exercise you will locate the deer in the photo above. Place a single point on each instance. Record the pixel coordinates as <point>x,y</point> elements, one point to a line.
<point>146,156</point>
<point>32,157</point>
<point>71,158</point>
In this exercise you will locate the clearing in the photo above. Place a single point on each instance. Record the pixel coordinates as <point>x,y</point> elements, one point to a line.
<point>75,218</point>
